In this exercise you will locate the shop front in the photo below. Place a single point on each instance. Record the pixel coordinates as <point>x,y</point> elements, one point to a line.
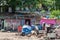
<point>14,23</point>
<point>11,20</point>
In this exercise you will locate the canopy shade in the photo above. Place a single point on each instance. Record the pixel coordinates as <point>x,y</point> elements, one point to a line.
<point>48,21</point>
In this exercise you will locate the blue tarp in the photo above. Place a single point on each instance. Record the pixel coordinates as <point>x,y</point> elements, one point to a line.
<point>40,27</point>
<point>26,31</point>
<point>33,27</point>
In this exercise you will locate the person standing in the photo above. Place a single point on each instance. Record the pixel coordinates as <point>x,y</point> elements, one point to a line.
<point>48,27</point>
<point>19,29</point>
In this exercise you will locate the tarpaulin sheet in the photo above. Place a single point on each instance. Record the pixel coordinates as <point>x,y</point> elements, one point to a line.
<point>48,21</point>
<point>26,29</point>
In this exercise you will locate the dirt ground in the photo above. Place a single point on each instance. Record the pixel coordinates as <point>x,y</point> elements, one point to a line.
<point>13,36</point>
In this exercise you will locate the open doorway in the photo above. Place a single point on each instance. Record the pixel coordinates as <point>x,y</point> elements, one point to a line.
<point>28,20</point>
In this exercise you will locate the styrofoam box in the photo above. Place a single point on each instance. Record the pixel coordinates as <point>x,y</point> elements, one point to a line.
<point>51,35</point>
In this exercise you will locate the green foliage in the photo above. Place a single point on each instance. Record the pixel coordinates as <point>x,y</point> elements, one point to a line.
<point>57,4</point>
<point>34,4</point>
<point>55,13</point>
<point>31,3</point>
